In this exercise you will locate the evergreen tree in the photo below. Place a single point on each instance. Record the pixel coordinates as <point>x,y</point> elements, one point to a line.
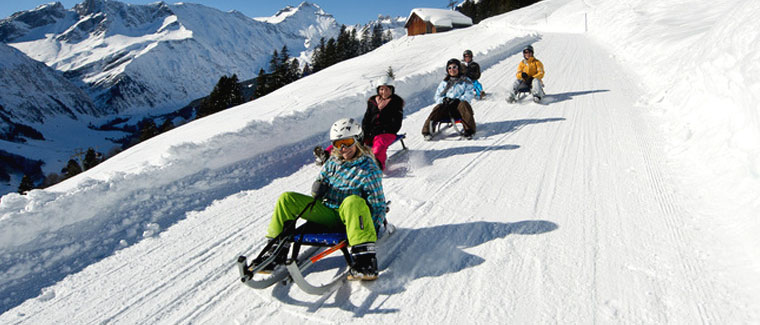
<point>261,84</point>
<point>318,58</point>
<point>353,45</point>
<point>148,129</point>
<point>91,159</point>
<point>226,93</point>
<point>72,169</point>
<point>166,126</point>
<point>293,71</point>
<point>388,37</point>
<point>489,8</point>
<point>275,79</point>
<point>342,44</point>
<point>389,73</point>
<point>331,52</point>
<point>234,94</point>
<point>306,70</point>
<point>377,36</point>
<point>283,67</point>
<point>26,185</point>
<point>365,44</point>
<point>51,179</point>
<point>284,57</point>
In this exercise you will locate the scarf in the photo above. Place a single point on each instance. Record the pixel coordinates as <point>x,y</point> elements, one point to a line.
<point>381,103</point>
<point>450,83</point>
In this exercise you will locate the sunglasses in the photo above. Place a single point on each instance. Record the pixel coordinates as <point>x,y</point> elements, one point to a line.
<point>344,143</point>
<point>452,67</point>
<point>526,52</point>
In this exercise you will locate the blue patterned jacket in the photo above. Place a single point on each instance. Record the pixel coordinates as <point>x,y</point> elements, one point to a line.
<point>462,90</point>
<point>362,177</point>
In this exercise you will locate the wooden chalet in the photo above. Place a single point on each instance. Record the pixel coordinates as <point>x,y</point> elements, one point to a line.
<point>429,20</point>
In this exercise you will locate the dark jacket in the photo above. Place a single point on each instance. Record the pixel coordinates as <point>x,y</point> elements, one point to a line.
<point>471,70</point>
<point>387,120</point>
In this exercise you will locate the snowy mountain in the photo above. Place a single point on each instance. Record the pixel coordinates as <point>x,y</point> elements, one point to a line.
<point>395,25</point>
<point>622,199</point>
<point>149,58</point>
<point>54,94</point>
<point>130,61</point>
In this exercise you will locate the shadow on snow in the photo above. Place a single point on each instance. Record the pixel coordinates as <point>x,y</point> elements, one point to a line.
<point>503,127</point>
<point>412,254</point>
<point>561,97</point>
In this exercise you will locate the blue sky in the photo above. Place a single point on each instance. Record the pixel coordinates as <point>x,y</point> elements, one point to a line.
<point>347,12</point>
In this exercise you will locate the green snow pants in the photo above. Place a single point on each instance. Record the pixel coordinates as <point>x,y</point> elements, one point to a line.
<point>353,215</point>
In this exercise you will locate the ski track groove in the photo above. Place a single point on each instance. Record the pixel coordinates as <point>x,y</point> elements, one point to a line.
<point>669,207</point>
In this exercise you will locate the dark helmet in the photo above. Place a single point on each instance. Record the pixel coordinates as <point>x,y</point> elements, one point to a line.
<point>453,61</point>
<point>529,48</point>
<point>467,53</point>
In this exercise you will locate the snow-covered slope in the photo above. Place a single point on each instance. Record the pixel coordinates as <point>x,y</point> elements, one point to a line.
<point>582,210</point>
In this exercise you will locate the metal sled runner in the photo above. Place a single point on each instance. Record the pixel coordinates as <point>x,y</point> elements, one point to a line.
<point>313,236</point>
<point>399,138</point>
<point>309,234</point>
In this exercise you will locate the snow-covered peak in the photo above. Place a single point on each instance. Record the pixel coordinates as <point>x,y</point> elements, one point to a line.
<point>308,20</point>
<point>23,23</point>
<point>304,10</point>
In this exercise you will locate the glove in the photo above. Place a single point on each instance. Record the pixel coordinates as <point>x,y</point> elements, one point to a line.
<point>525,76</point>
<point>320,156</point>
<point>446,100</point>
<point>319,189</point>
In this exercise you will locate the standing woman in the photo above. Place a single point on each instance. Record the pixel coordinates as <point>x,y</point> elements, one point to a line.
<point>382,120</point>
<point>354,201</point>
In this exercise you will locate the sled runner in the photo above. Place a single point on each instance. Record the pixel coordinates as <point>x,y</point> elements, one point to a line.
<point>522,92</point>
<point>437,127</point>
<point>399,138</point>
<point>316,238</point>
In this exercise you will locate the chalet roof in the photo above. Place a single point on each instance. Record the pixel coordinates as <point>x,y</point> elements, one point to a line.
<point>440,17</point>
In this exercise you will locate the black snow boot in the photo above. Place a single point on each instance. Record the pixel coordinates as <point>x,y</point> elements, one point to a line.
<point>365,262</point>
<point>279,260</point>
<point>320,156</point>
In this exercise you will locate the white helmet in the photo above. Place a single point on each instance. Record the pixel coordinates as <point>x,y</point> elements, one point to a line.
<point>385,81</point>
<point>345,128</point>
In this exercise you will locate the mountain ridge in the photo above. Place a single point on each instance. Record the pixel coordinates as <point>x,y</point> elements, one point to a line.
<point>132,61</point>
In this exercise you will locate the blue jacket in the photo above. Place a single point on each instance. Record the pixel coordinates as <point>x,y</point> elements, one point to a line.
<point>462,90</point>
<point>361,177</point>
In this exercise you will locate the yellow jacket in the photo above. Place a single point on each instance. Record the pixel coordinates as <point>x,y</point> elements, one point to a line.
<point>532,66</point>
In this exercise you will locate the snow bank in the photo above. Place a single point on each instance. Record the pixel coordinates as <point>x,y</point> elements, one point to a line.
<point>700,62</point>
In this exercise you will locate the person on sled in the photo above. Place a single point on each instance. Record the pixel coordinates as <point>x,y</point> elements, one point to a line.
<point>529,75</point>
<point>453,97</point>
<point>472,70</point>
<point>381,122</point>
<point>354,201</point>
